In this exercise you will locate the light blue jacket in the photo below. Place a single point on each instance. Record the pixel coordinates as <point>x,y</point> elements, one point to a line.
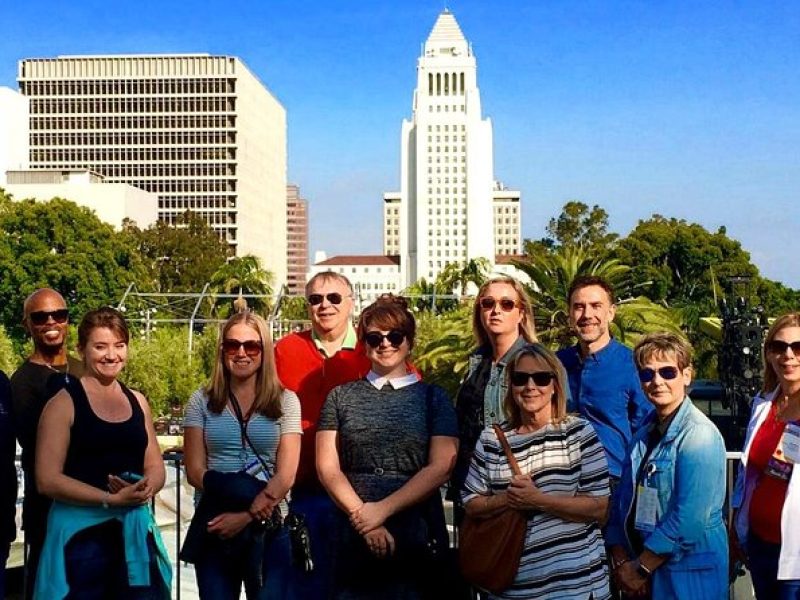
<point>65,520</point>
<point>688,470</point>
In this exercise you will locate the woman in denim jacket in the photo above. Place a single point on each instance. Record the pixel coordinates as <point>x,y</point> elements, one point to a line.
<point>668,537</point>
<point>767,493</point>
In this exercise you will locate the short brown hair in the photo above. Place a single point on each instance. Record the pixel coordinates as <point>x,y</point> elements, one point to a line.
<point>582,281</point>
<point>526,326</point>
<point>559,400</point>
<point>660,344</point>
<point>106,318</point>
<point>388,312</point>
<point>770,376</point>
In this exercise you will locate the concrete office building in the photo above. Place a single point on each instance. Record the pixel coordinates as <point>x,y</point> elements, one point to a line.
<point>297,240</point>
<point>507,232</point>
<point>200,131</point>
<point>13,132</point>
<point>446,201</point>
<point>111,202</point>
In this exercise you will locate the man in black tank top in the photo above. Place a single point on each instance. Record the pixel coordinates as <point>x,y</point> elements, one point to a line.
<point>45,371</point>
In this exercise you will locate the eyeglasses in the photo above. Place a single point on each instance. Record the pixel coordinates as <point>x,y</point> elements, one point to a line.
<point>251,347</point>
<point>506,304</point>
<point>375,338</point>
<point>779,347</point>
<point>40,317</point>
<point>668,373</point>
<point>540,378</point>
<point>333,298</point>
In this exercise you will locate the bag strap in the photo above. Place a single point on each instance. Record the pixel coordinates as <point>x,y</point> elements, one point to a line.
<point>512,460</point>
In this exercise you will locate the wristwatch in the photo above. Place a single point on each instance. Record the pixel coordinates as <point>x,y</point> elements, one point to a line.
<point>643,571</point>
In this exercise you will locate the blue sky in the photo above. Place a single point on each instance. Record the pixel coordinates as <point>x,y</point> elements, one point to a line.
<point>685,109</point>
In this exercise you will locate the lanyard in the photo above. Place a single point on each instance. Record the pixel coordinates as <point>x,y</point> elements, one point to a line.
<point>243,421</point>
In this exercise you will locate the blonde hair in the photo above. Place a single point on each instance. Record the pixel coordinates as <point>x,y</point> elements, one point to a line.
<point>559,400</point>
<point>770,376</point>
<point>268,387</point>
<point>662,344</point>
<point>526,326</point>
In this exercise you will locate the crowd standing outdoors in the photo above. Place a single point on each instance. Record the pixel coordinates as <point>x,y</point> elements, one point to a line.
<point>318,462</point>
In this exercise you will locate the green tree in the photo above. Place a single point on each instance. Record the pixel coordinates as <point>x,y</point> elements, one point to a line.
<point>443,344</point>
<point>551,276</point>
<point>458,275</point>
<point>245,275</point>
<point>180,258</point>
<point>63,246</point>
<point>423,295</point>
<point>159,366</point>
<point>576,226</point>
<point>9,357</point>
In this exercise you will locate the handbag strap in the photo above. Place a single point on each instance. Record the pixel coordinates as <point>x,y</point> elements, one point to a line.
<point>512,460</point>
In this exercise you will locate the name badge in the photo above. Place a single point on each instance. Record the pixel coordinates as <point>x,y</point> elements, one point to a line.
<point>646,508</point>
<point>256,469</point>
<point>790,443</point>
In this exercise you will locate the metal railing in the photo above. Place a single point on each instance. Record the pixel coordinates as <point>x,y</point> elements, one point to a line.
<point>174,461</point>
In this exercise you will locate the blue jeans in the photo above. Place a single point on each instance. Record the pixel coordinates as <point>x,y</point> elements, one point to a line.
<point>220,577</point>
<point>96,567</point>
<point>763,557</point>
<point>319,512</point>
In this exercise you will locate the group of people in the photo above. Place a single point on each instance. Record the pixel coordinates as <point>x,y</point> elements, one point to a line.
<point>318,461</point>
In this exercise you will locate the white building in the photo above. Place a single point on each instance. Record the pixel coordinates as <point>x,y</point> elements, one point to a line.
<point>371,275</point>
<point>111,202</point>
<point>446,200</point>
<point>507,226</point>
<point>391,223</point>
<point>13,132</point>
<point>200,131</point>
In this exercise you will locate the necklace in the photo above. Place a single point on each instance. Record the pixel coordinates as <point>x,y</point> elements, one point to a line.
<point>786,410</point>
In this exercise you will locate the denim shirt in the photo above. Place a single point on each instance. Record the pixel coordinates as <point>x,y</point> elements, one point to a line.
<point>689,473</point>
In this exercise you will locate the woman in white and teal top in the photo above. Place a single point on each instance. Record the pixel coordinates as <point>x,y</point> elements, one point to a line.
<point>243,410</point>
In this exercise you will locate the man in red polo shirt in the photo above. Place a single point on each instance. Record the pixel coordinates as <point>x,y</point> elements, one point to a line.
<point>311,363</point>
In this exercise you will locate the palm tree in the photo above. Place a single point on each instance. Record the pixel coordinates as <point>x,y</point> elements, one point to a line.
<point>552,274</point>
<point>458,276</point>
<point>443,345</point>
<point>242,275</point>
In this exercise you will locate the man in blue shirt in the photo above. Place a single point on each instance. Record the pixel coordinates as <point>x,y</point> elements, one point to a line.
<point>602,376</point>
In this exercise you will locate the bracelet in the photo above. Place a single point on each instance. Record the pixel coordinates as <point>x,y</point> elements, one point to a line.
<point>642,571</point>
<point>105,499</point>
<point>617,564</point>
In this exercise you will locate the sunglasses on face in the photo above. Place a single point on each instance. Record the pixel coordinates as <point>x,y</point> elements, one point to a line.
<point>333,298</point>
<point>779,347</point>
<point>668,373</point>
<point>251,347</point>
<point>540,378</point>
<point>375,338</point>
<point>40,317</point>
<point>506,304</point>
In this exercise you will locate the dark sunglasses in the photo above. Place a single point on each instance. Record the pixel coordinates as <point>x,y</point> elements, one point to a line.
<point>779,347</point>
<point>251,347</point>
<point>40,317</point>
<point>375,338</point>
<point>668,373</point>
<point>507,304</point>
<point>540,378</point>
<point>333,298</point>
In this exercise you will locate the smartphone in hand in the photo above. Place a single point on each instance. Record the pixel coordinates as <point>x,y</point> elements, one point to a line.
<point>130,477</point>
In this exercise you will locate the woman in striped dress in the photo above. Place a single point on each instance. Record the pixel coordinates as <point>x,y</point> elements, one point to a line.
<point>563,490</point>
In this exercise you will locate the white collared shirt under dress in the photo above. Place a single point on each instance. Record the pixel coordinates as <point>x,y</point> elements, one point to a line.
<point>561,559</point>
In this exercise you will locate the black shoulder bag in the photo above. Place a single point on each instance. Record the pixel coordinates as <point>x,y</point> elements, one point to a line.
<point>296,523</point>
